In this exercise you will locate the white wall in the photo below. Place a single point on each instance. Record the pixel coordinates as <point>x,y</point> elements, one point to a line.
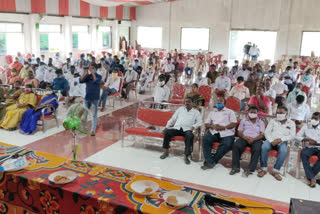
<point>288,17</point>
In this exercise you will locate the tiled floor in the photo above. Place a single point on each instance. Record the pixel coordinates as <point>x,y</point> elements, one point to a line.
<point>105,149</point>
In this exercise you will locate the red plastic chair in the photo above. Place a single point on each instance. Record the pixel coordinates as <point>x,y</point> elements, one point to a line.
<point>302,67</point>
<point>233,103</point>
<point>117,94</point>
<point>306,90</point>
<point>206,92</point>
<point>178,93</point>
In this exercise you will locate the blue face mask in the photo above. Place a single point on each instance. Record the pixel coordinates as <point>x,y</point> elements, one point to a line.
<point>270,74</point>
<point>219,105</point>
<point>298,90</point>
<point>306,77</point>
<point>234,71</point>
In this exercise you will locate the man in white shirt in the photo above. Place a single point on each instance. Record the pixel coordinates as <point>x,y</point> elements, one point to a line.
<point>308,81</point>
<point>40,72</point>
<point>310,135</point>
<point>280,88</point>
<point>184,121</point>
<point>110,87</point>
<point>168,68</point>
<point>295,72</point>
<point>190,65</point>
<point>244,72</point>
<point>43,59</point>
<point>77,89</point>
<point>161,92</point>
<point>66,66</point>
<point>58,63</point>
<point>50,74</point>
<point>129,80</point>
<point>222,85</point>
<point>297,91</point>
<point>278,132</point>
<point>146,77</point>
<point>221,123</point>
<point>298,111</point>
<point>271,94</point>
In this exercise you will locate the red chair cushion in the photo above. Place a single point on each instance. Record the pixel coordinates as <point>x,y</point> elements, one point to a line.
<point>154,117</point>
<point>273,153</point>
<point>50,116</point>
<point>176,101</point>
<point>149,133</point>
<point>313,159</point>
<point>233,104</point>
<point>205,91</point>
<point>178,92</point>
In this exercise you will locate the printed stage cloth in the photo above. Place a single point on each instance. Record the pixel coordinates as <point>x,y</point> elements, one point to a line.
<point>97,190</point>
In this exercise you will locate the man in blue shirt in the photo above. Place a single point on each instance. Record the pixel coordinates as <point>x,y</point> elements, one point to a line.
<point>92,80</point>
<point>60,83</point>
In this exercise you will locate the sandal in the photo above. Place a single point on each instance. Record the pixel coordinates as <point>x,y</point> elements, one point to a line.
<point>276,175</point>
<point>262,173</point>
<point>313,183</point>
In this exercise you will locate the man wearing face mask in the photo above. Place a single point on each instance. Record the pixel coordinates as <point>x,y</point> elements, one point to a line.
<point>233,76</point>
<point>298,111</point>
<point>130,78</point>
<point>251,133</point>
<point>110,87</point>
<point>272,75</point>
<point>241,92</point>
<point>25,71</point>
<point>161,92</point>
<point>281,88</point>
<point>77,90</point>
<point>244,72</point>
<point>221,123</point>
<point>50,74</point>
<point>295,72</point>
<point>288,78</point>
<point>93,82</point>
<point>60,83</point>
<point>190,65</point>
<point>296,92</point>
<point>66,66</point>
<point>278,133</point>
<point>146,77</point>
<point>308,81</point>
<point>31,81</point>
<point>40,72</point>
<point>58,63</point>
<point>271,94</point>
<point>72,62</point>
<point>14,112</point>
<point>310,136</point>
<point>182,123</point>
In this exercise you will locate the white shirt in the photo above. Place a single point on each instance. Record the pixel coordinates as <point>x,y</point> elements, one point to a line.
<point>168,67</point>
<point>244,73</point>
<point>148,74</point>
<point>190,63</point>
<point>66,68</point>
<point>57,63</point>
<point>309,83</point>
<point>49,75</point>
<point>253,51</point>
<point>241,93</point>
<point>40,72</point>
<point>130,75</point>
<point>113,84</point>
<point>204,82</point>
<point>307,131</point>
<point>295,73</point>
<point>223,83</point>
<point>280,87</point>
<point>77,89</point>
<point>224,117</point>
<point>270,93</point>
<point>185,119</point>
<point>298,112</point>
<point>103,73</point>
<point>161,94</point>
<point>275,130</point>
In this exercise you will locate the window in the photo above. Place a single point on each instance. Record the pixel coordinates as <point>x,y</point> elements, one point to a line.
<point>80,37</point>
<point>265,42</point>
<point>124,31</point>
<point>11,38</point>
<point>195,39</point>
<point>50,37</point>
<point>310,42</point>
<point>150,37</point>
<point>104,37</point>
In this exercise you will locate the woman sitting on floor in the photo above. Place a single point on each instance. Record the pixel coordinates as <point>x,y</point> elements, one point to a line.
<point>14,112</point>
<point>11,98</point>
<point>197,99</point>
<point>30,117</point>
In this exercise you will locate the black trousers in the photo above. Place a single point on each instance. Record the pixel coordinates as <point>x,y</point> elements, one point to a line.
<point>238,148</point>
<point>188,139</point>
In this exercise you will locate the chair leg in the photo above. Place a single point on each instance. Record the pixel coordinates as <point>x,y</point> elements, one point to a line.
<point>43,124</point>
<point>113,101</point>
<point>57,122</point>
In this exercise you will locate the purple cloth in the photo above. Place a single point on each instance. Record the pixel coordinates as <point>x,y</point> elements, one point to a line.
<point>250,129</point>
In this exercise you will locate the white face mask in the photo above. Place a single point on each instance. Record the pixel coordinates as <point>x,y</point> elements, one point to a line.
<point>314,122</point>
<point>281,117</point>
<point>252,115</point>
<point>26,66</point>
<point>161,83</point>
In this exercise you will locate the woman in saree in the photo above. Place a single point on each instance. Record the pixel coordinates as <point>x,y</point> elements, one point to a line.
<point>14,77</point>
<point>11,96</point>
<point>197,99</point>
<point>14,112</point>
<point>30,117</point>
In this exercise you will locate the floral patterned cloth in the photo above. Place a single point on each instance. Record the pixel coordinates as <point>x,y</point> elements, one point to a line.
<point>97,190</point>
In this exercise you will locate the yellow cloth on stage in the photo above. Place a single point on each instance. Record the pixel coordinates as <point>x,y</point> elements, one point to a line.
<point>14,113</point>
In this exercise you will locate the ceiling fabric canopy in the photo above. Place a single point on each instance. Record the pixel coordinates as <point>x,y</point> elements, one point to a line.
<point>114,3</point>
